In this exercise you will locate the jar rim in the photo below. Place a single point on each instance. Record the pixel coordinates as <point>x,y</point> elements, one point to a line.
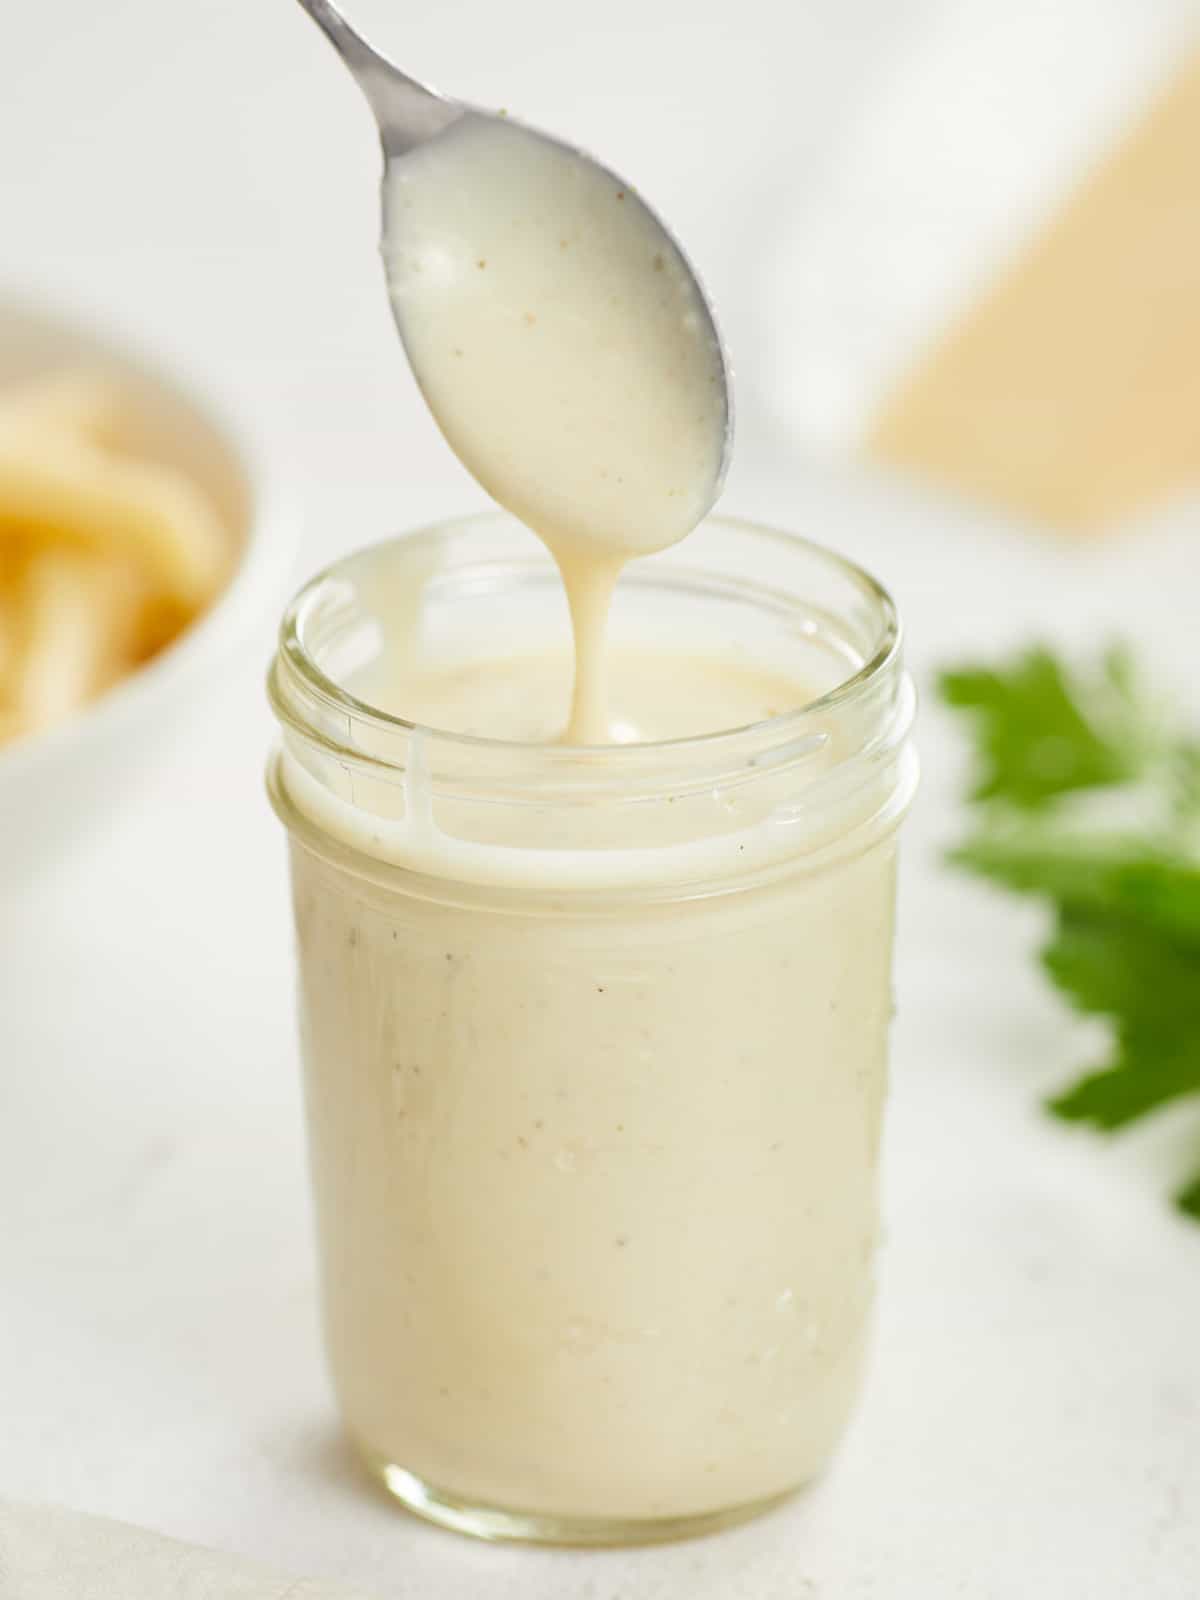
<point>336,697</point>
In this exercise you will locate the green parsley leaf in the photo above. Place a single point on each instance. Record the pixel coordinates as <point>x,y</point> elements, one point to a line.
<point>1040,735</point>
<point>1121,874</point>
<point>1188,1198</point>
<point>1148,984</point>
<point>1126,945</point>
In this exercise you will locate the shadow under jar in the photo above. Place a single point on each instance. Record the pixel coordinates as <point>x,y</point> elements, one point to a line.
<point>594,1039</point>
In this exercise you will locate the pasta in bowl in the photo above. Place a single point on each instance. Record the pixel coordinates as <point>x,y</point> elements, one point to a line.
<point>141,537</point>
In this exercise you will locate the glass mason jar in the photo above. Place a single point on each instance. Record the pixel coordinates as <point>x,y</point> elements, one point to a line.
<point>594,1039</point>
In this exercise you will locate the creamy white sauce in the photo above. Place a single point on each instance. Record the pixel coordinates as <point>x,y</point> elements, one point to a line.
<point>596,1187</point>
<point>596,1194</point>
<point>561,343</point>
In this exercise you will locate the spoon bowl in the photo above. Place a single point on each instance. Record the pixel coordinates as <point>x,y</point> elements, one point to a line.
<point>409,114</point>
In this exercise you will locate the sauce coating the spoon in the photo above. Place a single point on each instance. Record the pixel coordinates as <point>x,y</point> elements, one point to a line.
<point>566,351</point>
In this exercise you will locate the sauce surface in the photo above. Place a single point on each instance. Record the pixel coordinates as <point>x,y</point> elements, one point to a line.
<point>653,694</point>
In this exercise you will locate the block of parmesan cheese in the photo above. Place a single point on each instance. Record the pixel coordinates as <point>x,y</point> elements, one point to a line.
<point>1070,392</point>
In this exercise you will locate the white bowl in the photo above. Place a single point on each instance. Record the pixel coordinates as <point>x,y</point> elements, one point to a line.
<point>56,784</point>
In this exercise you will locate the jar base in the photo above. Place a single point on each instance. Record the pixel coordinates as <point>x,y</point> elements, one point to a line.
<point>502,1524</point>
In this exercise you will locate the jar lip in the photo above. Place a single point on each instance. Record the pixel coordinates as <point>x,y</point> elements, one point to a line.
<point>292,647</point>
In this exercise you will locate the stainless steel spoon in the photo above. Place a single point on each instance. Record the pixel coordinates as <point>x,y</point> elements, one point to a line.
<point>409,113</point>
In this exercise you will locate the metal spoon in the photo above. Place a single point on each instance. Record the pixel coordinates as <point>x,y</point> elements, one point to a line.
<point>409,113</point>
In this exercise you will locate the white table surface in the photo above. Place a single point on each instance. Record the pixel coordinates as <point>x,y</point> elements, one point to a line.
<point>1032,1423</point>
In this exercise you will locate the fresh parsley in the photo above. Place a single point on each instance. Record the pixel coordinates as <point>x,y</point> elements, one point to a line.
<point>1087,794</point>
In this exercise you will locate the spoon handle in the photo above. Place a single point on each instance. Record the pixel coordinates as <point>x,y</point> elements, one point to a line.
<point>407,112</point>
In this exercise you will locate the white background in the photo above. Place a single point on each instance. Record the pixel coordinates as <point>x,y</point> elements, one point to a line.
<point>200,175</point>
